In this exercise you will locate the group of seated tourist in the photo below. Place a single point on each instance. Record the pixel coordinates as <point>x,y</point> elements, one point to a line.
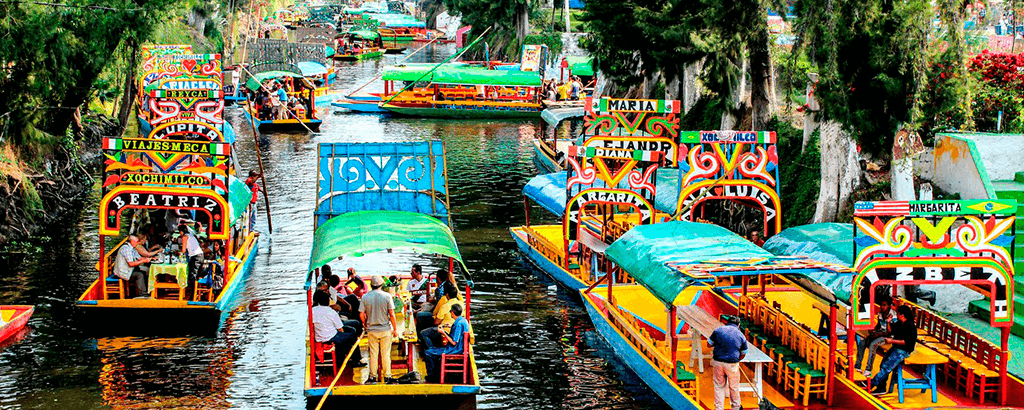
<point>343,311</point>
<point>175,241</point>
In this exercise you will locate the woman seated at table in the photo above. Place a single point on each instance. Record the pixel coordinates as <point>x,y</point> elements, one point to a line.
<point>212,273</point>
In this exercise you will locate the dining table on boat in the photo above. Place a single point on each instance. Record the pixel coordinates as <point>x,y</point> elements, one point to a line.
<point>703,324</point>
<point>178,271</point>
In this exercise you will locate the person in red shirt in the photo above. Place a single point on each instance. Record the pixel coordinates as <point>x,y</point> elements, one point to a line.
<point>253,186</point>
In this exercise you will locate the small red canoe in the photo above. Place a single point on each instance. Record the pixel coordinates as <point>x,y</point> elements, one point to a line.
<point>13,318</point>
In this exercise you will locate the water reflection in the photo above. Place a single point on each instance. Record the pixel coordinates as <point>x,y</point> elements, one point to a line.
<point>535,345</point>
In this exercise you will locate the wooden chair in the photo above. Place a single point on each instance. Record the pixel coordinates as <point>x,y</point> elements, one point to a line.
<point>686,379</point>
<point>777,350</point>
<point>457,363</point>
<point>811,380</point>
<point>320,352</point>
<point>203,291</point>
<point>809,354</point>
<point>986,378</point>
<point>113,287</point>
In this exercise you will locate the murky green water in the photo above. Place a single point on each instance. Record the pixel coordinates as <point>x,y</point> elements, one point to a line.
<point>535,346</point>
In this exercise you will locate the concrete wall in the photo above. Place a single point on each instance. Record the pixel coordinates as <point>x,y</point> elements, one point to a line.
<point>955,168</point>
<point>1003,154</point>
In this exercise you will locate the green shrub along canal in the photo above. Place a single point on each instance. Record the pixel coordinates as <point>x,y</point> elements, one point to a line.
<point>535,346</point>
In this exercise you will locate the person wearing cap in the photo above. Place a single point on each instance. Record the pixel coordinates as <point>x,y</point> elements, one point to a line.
<point>378,313</point>
<point>730,347</point>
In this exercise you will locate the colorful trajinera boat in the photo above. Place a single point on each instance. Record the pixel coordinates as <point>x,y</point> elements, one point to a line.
<point>180,174</point>
<point>388,212</point>
<point>303,117</point>
<point>358,45</point>
<point>13,319</point>
<point>656,288</point>
<point>474,92</point>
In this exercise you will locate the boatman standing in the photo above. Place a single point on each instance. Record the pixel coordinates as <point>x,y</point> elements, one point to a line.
<point>730,347</point>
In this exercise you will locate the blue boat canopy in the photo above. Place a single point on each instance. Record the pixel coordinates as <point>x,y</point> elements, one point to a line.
<point>311,68</point>
<point>647,250</point>
<point>548,191</point>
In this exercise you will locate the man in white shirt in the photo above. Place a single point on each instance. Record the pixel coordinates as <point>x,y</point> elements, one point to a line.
<point>190,247</point>
<point>417,287</point>
<point>126,266</point>
<point>330,329</point>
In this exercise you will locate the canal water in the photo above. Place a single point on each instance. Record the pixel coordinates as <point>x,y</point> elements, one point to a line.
<point>535,346</point>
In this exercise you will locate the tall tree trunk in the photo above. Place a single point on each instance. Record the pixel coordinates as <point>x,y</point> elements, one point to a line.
<point>730,115</point>
<point>690,92</point>
<point>130,90</point>
<point>840,171</point>
<point>810,116</point>
<point>522,21</point>
<point>761,103</point>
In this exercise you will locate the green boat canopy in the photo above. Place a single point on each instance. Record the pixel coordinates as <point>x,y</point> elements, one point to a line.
<point>645,251</point>
<point>826,242</point>
<point>365,34</point>
<point>582,66</point>
<point>254,82</point>
<point>463,75</point>
<point>359,233</point>
<point>239,196</point>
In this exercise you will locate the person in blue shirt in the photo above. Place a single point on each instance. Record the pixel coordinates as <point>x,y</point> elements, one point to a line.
<point>282,107</point>
<point>730,347</point>
<point>453,344</point>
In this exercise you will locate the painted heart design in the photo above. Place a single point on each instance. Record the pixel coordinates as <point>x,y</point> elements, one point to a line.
<point>189,65</point>
<point>718,191</point>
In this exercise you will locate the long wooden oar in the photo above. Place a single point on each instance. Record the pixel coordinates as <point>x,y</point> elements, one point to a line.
<point>263,175</point>
<point>340,371</point>
<point>381,74</point>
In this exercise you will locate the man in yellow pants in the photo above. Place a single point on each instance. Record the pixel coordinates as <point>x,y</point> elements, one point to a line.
<point>377,311</point>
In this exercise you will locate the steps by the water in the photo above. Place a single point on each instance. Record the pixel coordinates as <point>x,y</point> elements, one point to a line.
<point>981,328</point>
<point>1013,190</point>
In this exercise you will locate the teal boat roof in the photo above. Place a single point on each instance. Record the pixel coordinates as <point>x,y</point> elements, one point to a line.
<point>312,68</point>
<point>583,66</point>
<point>826,242</point>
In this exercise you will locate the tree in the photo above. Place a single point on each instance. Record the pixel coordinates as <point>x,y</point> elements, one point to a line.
<point>871,58</point>
<point>645,36</point>
<point>506,16</point>
<point>53,55</point>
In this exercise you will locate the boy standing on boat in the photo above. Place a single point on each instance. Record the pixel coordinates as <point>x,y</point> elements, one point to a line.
<point>730,347</point>
<point>903,341</point>
<point>378,312</point>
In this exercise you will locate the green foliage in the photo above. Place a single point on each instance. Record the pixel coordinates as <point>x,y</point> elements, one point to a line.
<point>487,13</point>
<point>871,56</point>
<point>55,54</point>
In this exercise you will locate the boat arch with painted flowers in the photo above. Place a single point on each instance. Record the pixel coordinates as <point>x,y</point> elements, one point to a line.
<point>380,208</point>
<point>180,174</point>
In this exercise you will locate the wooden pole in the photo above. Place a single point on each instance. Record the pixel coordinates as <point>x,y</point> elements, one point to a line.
<point>851,342</point>
<point>263,176</point>
<point>1004,340</point>
<point>672,338</point>
<point>340,372</point>
<point>526,207</point>
<point>832,343</point>
<point>399,62</point>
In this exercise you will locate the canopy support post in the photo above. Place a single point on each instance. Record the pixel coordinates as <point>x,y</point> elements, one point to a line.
<point>851,341</point>
<point>760,280</point>
<point>832,343</point>
<point>103,265</point>
<point>1004,340</point>
<point>746,283</point>
<point>526,206</point>
<point>671,333</point>
<point>611,281</point>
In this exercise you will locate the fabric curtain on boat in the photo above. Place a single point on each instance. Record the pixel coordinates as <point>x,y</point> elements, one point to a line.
<point>359,233</point>
<point>311,68</point>
<point>581,66</point>
<point>645,252</point>
<point>825,242</point>
<point>254,82</point>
